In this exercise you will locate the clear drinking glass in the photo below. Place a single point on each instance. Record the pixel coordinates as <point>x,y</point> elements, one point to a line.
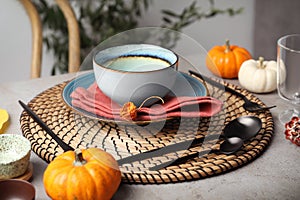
<point>288,74</point>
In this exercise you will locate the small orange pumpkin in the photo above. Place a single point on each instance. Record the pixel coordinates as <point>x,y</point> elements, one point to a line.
<point>225,61</point>
<point>82,174</point>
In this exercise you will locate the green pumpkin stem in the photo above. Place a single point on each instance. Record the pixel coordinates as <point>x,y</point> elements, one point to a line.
<point>227,45</point>
<point>79,160</point>
<point>261,62</point>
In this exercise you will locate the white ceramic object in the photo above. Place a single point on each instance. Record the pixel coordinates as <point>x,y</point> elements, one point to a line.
<point>135,72</point>
<point>14,155</point>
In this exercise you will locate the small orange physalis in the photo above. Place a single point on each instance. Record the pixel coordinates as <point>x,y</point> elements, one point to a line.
<point>128,111</point>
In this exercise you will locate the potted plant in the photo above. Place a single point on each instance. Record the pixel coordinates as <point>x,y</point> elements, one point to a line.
<point>99,20</point>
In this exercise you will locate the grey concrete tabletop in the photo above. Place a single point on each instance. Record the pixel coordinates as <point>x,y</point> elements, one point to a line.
<point>273,175</point>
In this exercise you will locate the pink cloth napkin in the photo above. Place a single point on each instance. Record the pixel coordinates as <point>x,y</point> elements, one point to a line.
<point>95,101</point>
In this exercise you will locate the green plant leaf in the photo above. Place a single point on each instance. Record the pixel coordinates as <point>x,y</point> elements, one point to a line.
<point>99,20</point>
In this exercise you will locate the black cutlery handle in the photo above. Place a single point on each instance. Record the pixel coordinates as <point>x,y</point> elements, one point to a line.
<point>44,126</point>
<point>217,84</point>
<point>168,149</point>
<point>183,159</point>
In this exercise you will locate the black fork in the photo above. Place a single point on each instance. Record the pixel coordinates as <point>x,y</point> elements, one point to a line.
<point>248,105</point>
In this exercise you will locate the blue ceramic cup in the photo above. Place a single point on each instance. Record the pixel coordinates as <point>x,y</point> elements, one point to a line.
<point>135,72</point>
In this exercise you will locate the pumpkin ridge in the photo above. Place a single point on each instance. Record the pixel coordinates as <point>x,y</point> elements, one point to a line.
<point>268,76</point>
<point>54,178</point>
<point>105,180</point>
<point>107,160</point>
<point>246,54</point>
<point>91,176</point>
<point>236,62</point>
<point>229,66</point>
<point>234,47</point>
<point>69,193</point>
<point>259,74</point>
<point>66,156</point>
<point>100,162</point>
<point>76,176</point>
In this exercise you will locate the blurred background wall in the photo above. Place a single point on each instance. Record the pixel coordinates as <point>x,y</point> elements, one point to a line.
<point>15,40</point>
<point>273,19</point>
<point>256,29</point>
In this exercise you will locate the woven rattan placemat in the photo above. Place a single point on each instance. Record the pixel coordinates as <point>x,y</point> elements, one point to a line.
<point>122,140</point>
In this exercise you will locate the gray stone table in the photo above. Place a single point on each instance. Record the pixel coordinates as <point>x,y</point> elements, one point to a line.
<point>273,175</point>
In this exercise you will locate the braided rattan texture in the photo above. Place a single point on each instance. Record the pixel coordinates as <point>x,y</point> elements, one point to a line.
<point>122,140</point>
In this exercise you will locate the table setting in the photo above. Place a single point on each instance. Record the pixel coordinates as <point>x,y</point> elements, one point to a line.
<point>160,127</point>
<point>119,134</point>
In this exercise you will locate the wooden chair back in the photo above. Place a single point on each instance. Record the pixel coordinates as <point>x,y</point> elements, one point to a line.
<point>37,36</point>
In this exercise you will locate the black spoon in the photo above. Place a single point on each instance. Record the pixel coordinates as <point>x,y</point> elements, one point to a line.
<point>243,127</point>
<point>253,122</point>
<point>235,133</point>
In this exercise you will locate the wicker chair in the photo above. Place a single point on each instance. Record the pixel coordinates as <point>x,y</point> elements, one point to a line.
<point>37,37</point>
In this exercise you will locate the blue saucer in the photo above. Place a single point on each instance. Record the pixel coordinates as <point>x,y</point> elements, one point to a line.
<point>185,85</point>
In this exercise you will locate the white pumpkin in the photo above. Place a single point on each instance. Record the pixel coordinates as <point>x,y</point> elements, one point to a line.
<point>259,76</point>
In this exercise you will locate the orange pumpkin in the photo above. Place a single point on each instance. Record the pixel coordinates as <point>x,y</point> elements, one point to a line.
<point>225,61</point>
<point>84,174</point>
